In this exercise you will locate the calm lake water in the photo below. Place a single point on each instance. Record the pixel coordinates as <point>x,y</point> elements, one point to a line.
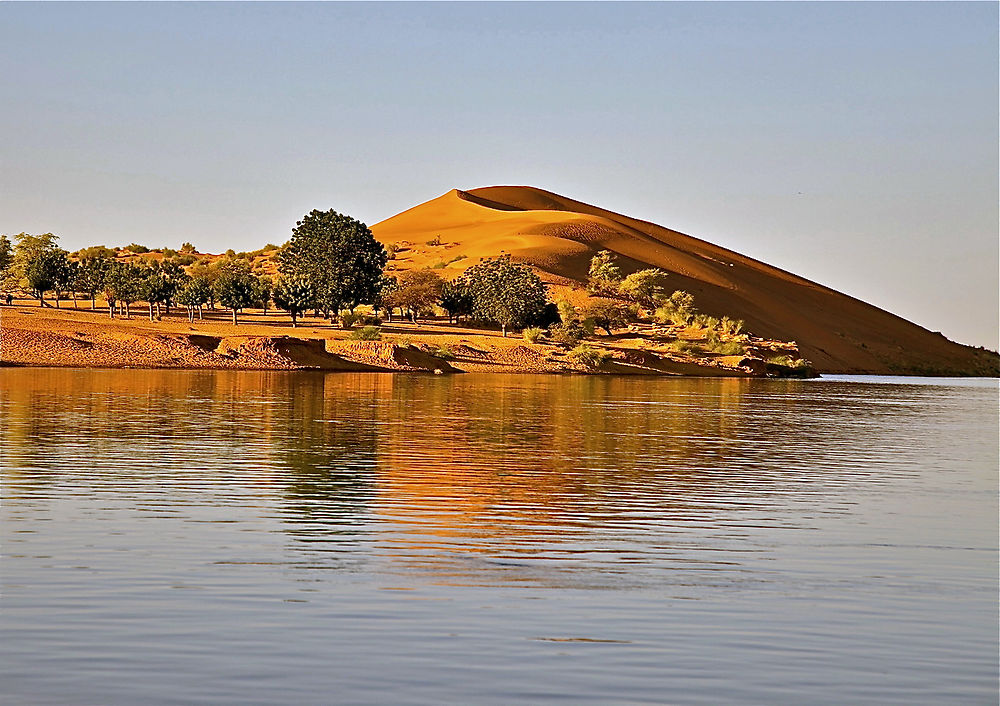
<point>200,537</point>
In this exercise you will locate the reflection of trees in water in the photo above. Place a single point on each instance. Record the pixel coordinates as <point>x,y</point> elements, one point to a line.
<point>328,431</point>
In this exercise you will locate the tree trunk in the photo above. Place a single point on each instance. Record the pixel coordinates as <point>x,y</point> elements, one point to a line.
<point>294,317</point>
<point>503,327</point>
<point>150,311</point>
<point>235,322</point>
<point>200,314</point>
<point>111,309</point>
<point>93,302</point>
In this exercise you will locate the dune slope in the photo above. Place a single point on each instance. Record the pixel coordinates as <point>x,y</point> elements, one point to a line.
<point>558,236</point>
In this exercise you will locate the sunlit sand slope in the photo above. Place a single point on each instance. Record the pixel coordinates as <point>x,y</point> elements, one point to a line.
<point>558,236</point>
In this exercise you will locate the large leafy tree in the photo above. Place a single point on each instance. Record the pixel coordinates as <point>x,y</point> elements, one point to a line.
<point>338,255</point>
<point>507,293</point>
<point>38,263</point>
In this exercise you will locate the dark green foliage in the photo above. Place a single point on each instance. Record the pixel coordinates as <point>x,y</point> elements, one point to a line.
<point>567,334</point>
<point>609,314</point>
<point>294,294</point>
<point>338,255</point>
<point>122,285</point>
<point>547,316</point>
<point>90,276</point>
<point>456,298</point>
<point>137,249</point>
<point>262,292</point>
<point>505,293</point>
<point>188,248</point>
<point>235,287</point>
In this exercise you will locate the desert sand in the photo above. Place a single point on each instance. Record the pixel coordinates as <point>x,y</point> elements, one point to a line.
<point>31,335</point>
<point>559,236</point>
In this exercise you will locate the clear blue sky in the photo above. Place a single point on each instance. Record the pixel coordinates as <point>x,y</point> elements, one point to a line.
<point>852,143</point>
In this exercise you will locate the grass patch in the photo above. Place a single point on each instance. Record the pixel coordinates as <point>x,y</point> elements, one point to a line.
<point>366,333</point>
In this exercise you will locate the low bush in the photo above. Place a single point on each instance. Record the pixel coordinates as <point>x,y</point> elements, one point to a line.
<point>348,320</point>
<point>532,334</point>
<point>366,333</point>
<point>789,362</point>
<point>566,334</point>
<point>589,357</point>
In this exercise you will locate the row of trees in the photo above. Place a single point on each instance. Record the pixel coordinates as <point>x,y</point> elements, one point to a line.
<point>332,263</point>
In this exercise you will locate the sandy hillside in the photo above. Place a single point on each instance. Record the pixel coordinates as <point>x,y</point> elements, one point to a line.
<point>558,236</point>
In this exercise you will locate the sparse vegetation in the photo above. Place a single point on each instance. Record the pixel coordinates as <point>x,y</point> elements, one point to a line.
<point>532,334</point>
<point>589,357</point>
<point>366,333</point>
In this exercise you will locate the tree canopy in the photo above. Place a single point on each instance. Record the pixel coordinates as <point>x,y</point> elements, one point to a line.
<point>507,293</point>
<point>338,255</point>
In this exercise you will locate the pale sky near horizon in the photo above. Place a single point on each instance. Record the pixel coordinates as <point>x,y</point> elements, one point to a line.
<point>855,144</point>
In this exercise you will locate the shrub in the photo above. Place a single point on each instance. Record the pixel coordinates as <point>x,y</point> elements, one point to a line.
<point>589,357</point>
<point>169,252</point>
<point>679,346</point>
<point>349,319</point>
<point>731,326</point>
<point>390,251</point>
<point>436,240</point>
<point>137,249</point>
<point>532,334</point>
<point>443,352</point>
<point>366,333</point>
<point>789,362</point>
<point>566,334</point>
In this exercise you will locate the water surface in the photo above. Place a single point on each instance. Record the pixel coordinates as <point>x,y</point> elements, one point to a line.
<point>268,537</point>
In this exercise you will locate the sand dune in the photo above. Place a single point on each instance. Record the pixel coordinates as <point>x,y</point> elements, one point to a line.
<point>558,236</point>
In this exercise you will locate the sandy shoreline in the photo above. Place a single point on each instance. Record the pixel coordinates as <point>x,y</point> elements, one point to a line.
<point>67,337</point>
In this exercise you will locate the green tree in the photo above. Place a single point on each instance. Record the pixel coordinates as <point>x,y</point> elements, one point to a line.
<point>194,294</point>
<point>645,287</point>
<point>64,279</point>
<point>35,263</point>
<point>456,298</point>
<point>160,283</point>
<point>262,292</point>
<point>90,277</point>
<point>604,274</point>
<point>338,255</point>
<point>504,292</point>
<point>609,314</point>
<point>417,293</point>
<point>383,298</point>
<point>294,294</point>
<point>235,287</point>
<point>122,287</point>
<point>8,279</point>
